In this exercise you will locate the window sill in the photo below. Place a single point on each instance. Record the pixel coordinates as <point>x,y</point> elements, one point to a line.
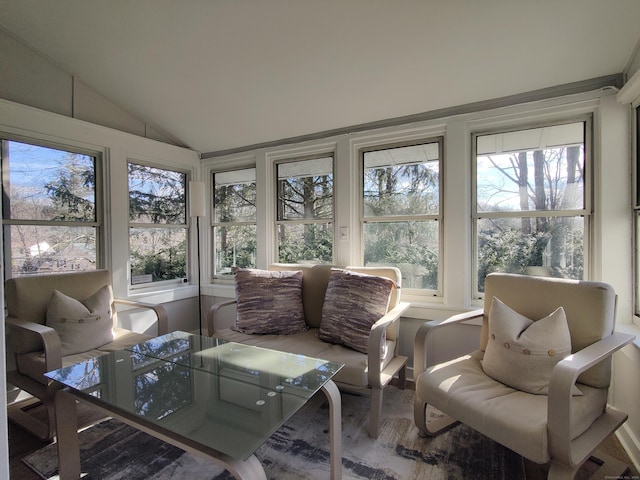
<point>165,294</point>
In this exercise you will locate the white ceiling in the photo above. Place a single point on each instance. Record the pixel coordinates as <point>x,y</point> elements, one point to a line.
<point>222,74</point>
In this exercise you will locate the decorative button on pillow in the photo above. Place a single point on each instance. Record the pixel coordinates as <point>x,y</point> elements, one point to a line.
<point>269,302</point>
<point>81,325</point>
<point>352,304</point>
<point>521,353</point>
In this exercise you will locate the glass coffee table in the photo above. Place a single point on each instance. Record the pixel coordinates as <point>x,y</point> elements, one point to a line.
<point>217,399</point>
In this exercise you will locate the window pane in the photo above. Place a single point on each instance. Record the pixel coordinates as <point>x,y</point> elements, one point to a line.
<point>43,183</point>
<point>157,254</point>
<point>402,181</point>
<point>305,189</point>
<point>305,243</point>
<point>235,196</point>
<point>156,195</point>
<point>535,169</point>
<point>549,246</point>
<point>47,249</point>
<point>235,246</point>
<point>410,246</point>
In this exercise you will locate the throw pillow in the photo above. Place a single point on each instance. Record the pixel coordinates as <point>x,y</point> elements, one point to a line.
<point>269,302</point>
<point>81,325</point>
<point>352,304</point>
<point>521,353</point>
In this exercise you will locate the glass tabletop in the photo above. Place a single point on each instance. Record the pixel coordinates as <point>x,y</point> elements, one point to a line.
<point>285,372</point>
<point>226,396</point>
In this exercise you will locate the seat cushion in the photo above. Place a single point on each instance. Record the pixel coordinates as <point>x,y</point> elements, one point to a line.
<point>511,417</point>
<point>354,373</point>
<point>32,363</point>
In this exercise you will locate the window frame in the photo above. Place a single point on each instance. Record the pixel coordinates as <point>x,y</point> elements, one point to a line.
<point>305,221</point>
<point>98,223</point>
<point>587,212</point>
<point>438,218</point>
<point>215,224</point>
<point>144,225</point>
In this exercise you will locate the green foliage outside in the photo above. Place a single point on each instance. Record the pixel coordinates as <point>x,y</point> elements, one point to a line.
<point>157,206</point>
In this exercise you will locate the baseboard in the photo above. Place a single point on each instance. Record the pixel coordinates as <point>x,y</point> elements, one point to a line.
<point>630,443</point>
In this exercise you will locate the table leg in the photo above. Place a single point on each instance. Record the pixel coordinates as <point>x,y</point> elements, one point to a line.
<point>335,428</point>
<point>249,469</point>
<point>67,433</point>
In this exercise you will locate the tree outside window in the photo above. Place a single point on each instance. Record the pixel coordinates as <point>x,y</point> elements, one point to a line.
<point>50,216</point>
<point>531,212</point>
<point>234,227</point>
<point>401,211</point>
<point>305,210</point>
<point>157,224</point>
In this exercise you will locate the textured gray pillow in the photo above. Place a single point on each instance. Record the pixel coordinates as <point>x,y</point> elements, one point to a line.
<point>81,325</point>
<point>521,353</point>
<point>269,302</point>
<point>352,304</point>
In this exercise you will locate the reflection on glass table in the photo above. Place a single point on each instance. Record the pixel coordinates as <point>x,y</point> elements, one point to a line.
<point>224,396</point>
<point>283,372</point>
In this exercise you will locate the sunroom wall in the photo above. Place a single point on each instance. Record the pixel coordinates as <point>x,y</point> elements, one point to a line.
<point>610,246</point>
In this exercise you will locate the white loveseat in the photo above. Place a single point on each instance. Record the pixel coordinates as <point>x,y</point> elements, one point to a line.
<point>371,371</point>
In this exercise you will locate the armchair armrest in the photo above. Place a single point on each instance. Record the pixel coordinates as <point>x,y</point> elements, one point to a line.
<point>423,355</point>
<point>47,336</point>
<point>213,311</point>
<point>563,377</point>
<point>160,311</point>
<point>376,339</point>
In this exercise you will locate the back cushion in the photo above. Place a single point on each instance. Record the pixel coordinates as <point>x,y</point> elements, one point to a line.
<point>314,286</point>
<point>589,307</point>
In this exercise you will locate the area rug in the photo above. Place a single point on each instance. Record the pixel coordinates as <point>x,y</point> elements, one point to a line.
<point>111,450</point>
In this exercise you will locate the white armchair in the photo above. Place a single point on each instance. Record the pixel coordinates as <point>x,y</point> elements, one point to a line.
<point>37,348</point>
<point>559,428</point>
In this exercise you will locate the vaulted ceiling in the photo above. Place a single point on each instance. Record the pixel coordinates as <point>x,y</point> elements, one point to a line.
<point>223,74</point>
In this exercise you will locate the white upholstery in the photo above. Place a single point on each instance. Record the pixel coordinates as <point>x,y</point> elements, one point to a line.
<point>356,376</point>
<point>511,417</point>
<point>559,428</point>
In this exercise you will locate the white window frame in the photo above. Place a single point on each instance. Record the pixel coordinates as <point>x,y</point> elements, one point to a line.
<point>186,226</point>
<point>215,224</point>
<point>587,211</point>
<point>98,223</point>
<point>306,221</point>
<point>438,218</point>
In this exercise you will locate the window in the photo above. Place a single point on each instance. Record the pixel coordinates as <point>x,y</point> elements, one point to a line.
<point>531,205</point>
<point>51,209</point>
<point>401,211</point>
<point>157,224</point>
<point>305,210</point>
<point>234,227</point>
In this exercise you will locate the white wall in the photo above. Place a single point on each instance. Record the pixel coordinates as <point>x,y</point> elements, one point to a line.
<point>30,79</point>
<point>610,241</point>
